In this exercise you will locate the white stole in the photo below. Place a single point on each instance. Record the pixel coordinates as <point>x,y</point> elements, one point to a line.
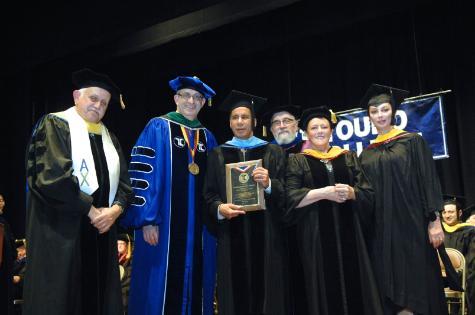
<point>81,155</point>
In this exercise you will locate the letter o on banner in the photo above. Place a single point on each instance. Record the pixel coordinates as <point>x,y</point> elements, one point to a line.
<point>349,130</point>
<point>402,119</point>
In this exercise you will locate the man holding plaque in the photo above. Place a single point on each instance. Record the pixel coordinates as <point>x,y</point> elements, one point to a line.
<point>244,194</point>
<point>173,270</point>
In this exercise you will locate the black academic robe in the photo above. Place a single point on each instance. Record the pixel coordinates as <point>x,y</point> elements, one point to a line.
<point>251,254</point>
<point>71,268</point>
<point>337,269</point>
<point>408,193</point>
<point>125,282</point>
<point>295,147</point>
<point>6,269</point>
<point>297,281</point>
<point>463,240</point>
<point>19,269</point>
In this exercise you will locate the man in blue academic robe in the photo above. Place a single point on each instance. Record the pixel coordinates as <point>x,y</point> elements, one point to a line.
<point>173,271</point>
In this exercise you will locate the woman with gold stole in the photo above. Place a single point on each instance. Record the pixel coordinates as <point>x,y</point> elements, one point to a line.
<point>327,193</point>
<point>407,228</point>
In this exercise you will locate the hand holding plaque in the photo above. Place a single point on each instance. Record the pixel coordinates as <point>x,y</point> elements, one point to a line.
<point>261,176</point>
<point>241,188</point>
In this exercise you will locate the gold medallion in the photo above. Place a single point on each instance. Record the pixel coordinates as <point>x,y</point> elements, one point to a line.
<point>194,168</point>
<point>243,178</point>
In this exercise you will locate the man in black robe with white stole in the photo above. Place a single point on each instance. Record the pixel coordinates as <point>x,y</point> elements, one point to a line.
<point>252,262</point>
<point>78,185</point>
<point>461,236</point>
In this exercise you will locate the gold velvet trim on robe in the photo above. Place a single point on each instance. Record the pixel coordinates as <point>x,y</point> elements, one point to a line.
<point>453,228</point>
<point>393,134</point>
<point>334,152</point>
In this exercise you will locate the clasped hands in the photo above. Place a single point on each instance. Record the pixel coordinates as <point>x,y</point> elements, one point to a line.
<point>103,218</point>
<point>339,193</point>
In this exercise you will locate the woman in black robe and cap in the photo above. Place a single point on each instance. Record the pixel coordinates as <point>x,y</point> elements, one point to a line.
<point>327,192</point>
<point>407,228</point>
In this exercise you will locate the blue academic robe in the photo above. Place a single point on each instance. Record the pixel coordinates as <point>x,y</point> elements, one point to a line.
<point>178,275</point>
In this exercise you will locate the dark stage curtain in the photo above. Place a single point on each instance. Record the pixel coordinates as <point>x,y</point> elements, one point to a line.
<point>304,53</point>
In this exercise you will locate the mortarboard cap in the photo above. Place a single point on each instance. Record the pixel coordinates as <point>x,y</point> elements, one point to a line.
<point>378,94</point>
<point>85,78</point>
<point>126,238</point>
<point>453,199</point>
<point>317,112</point>
<point>194,83</point>
<point>20,242</point>
<point>123,237</point>
<point>291,109</point>
<point>237,99</point>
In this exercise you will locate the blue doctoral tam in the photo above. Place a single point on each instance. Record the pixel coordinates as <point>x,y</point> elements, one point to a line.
<point>192,83</point>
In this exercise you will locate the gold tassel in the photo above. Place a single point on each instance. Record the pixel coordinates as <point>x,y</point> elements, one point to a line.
<point>333,117</point>
<point>129,247</point>
<point>209,102</point>
<point>122,104</point>
<point>264,131</point>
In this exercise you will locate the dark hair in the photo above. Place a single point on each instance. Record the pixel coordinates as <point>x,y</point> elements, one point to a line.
<point>452,202</point>
<point>381,99</point>
<point>316,112</point>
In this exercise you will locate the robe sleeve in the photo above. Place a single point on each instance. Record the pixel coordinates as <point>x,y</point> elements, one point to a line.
<point>364,193</point>
<point>276,166</point>
<point>295,189</point>
<point>150,176</point>
<point>470,265</point>
<point>211,191</point>
<point>209,220</point>
<point>50,168</point>
<point>429,185</point>
<point>210,141</point>
<point>124,191</point>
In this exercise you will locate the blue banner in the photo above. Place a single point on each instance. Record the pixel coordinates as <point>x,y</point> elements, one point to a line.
<point>424,116</point>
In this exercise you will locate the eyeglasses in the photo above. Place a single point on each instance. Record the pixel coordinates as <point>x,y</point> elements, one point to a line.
<point>196,97</point>
<point>286,122</point>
